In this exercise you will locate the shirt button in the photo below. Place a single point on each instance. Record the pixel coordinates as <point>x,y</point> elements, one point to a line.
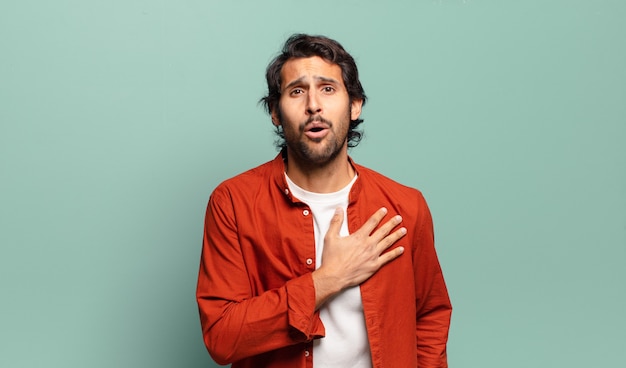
<point>309,261</point>
<point>306,353</point>
<point>305,212</point>
<point>287,191</point>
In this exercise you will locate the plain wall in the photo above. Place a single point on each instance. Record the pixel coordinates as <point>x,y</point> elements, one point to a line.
<point>118,118</point>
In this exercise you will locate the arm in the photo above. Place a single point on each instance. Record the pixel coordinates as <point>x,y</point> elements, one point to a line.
<point>235,323</point>
<point>432,301</point>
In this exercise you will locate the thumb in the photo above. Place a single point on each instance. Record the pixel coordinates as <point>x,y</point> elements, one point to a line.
<point>335,222</point>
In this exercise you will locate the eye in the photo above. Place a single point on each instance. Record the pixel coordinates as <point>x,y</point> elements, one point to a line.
<point>328,89</point>
<point>296,91</point>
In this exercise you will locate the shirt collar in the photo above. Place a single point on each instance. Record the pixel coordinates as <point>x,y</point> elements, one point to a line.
<point>278,176</point>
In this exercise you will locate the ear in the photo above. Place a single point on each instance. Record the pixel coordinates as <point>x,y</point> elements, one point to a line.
<point>355,108</point>
<point>275,119</point>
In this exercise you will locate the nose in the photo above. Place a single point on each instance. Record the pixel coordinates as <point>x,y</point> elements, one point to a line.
<point>313,104</point>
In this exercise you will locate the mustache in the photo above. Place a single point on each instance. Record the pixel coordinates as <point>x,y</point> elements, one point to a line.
<point>316,118</point>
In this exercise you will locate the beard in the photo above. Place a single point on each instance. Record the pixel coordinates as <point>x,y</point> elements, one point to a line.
<point>317,151</point>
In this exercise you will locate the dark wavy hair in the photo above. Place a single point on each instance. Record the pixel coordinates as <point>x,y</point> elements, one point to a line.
<point>304,46</point>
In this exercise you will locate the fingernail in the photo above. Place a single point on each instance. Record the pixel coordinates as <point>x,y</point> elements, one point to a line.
<point>384,210</point>
<point>398,218</point>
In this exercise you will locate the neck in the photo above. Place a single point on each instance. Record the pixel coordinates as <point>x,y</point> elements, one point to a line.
<point>324,177</point>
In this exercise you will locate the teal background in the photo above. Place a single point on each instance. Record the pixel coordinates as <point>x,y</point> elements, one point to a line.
<point>118,118</point>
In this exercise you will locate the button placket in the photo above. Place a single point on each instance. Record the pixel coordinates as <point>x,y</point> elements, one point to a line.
<point>309,261</point>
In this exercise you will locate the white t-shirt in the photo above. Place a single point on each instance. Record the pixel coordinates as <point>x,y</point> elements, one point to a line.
<point>346,343</point>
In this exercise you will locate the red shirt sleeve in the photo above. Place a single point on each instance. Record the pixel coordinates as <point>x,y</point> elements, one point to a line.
<point>237,324</point>
<point>432,301</point>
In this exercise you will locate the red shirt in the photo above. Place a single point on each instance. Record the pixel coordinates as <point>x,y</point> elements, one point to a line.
<point>255,290</point>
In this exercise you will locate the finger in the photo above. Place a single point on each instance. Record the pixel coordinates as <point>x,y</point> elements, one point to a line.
<point>390,256</point>
<point>386,228</point>
<point>391,239</point>
<point>373,221</point>
<point>335,222</point>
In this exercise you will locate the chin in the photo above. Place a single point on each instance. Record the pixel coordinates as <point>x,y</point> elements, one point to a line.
<point>316,152</point>
<point>321,156</point>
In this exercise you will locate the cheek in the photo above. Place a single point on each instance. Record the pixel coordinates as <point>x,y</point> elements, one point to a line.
<point>288,110</point>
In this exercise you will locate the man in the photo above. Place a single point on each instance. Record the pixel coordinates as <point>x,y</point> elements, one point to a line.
<point>311,260</point>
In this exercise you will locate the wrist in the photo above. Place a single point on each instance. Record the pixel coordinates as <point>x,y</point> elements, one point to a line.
<point>325,286</point>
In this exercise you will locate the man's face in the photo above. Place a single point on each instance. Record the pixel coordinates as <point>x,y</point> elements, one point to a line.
<point>314,109</point>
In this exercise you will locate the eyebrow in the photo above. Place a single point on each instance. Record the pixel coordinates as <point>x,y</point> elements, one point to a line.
<point>317,78</point>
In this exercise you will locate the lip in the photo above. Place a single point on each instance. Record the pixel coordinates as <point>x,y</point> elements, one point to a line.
<point>316,130</point>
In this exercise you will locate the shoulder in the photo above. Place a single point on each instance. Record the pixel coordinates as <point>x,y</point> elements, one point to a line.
<point>250,184</point>
<point>377,190</point>
<point>373,180</point>
<point>247,180</point>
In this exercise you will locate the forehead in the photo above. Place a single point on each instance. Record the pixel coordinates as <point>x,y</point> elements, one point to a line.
<point>309,69</point>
